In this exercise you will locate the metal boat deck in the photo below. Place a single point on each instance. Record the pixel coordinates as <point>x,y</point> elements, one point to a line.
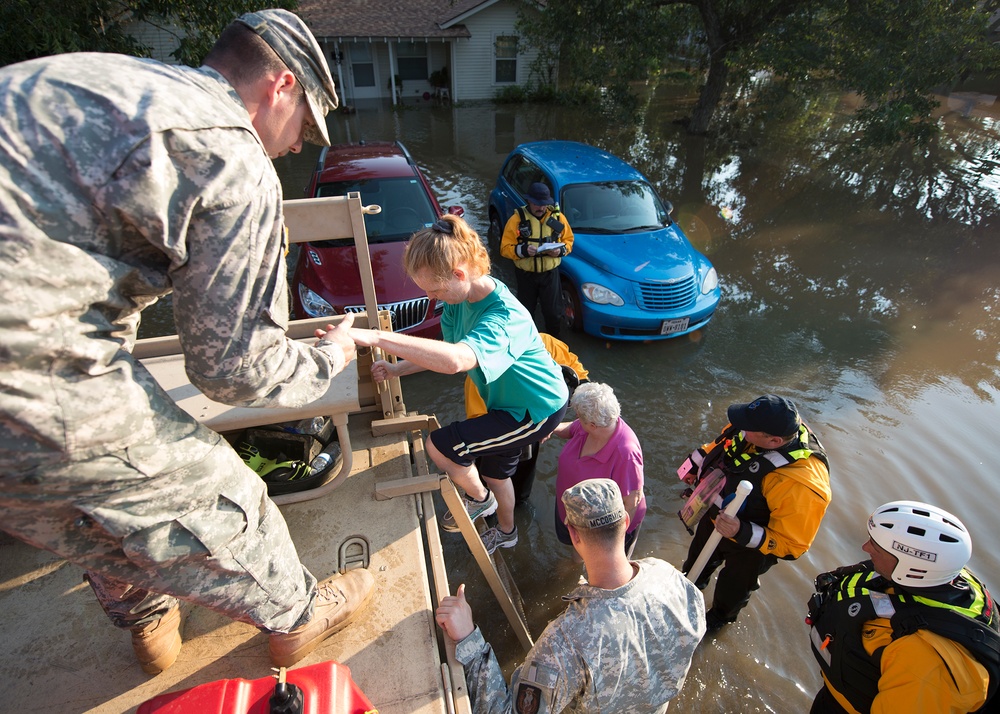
<point>60,653</point>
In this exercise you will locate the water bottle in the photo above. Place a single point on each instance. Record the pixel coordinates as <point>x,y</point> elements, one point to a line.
<point>308,426</point>
<point>323,459</point>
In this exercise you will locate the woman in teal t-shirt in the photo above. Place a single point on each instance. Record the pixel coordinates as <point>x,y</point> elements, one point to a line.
<point>490,335</point>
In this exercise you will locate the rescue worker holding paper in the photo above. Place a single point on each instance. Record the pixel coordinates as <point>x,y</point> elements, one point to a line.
<point>536,238</point>
<point>767,444</point>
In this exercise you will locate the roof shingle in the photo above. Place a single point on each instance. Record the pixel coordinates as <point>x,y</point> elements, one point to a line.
<point>337,19</point>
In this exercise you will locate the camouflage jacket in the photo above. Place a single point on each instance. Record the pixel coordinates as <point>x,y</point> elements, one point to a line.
<point>623,650</point>
<point>122,180</point>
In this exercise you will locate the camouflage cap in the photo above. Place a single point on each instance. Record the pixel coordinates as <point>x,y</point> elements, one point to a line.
<point>292,41</point>
<point>593,503</point>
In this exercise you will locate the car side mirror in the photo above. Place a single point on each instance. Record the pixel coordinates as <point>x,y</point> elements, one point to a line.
<point>669,206</point>
<point>456,211</point>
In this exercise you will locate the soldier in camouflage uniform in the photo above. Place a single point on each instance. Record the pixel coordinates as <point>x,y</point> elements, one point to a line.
<point>122,180</point>
<point>624,644</point>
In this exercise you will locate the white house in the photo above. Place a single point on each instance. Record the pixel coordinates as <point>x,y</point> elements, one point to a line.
<point>474,42</point>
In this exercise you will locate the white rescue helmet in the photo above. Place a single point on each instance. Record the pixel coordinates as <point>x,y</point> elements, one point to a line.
<point>931,545</point>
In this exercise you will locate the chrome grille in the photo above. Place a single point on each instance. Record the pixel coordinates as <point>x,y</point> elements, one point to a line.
<point>405,315</point>
<point>667,296</point>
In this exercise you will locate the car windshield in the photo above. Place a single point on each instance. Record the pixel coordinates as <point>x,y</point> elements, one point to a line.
<point>406,207</point>
<point>613,207</point>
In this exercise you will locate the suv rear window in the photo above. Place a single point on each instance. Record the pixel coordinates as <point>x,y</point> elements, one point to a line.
<point>405,206</point>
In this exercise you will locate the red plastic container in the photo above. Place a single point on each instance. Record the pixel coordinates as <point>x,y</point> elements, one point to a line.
<point>327,688</point>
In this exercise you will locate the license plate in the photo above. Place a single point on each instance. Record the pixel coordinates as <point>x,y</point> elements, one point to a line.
<point>669,327</point>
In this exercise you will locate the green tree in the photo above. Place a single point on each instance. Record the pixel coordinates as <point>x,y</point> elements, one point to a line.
<point>37,28</point>
<point>893,53</point>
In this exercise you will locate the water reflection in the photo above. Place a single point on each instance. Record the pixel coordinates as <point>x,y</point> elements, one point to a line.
<point>863,286</point>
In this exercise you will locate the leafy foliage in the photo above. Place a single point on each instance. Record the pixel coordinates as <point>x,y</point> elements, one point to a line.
<point>547,93</point>
<point>893,54</point>
<point>37,28</point>
<point>604,43</point>
<point>896,54</point>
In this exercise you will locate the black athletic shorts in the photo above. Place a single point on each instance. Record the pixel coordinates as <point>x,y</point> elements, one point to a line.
<point>494,440</point>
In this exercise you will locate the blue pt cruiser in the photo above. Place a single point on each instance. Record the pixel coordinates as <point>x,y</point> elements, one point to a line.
<point>633,274</point>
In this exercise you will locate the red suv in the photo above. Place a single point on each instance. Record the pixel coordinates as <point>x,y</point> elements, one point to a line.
<point>326,279</point>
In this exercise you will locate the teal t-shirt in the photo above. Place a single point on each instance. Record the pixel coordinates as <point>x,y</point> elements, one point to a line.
<point>515,372</point>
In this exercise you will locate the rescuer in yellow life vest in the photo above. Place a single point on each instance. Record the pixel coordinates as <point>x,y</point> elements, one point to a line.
<point>537,272</point>
<point>767,444</point>
<point>910,630</point>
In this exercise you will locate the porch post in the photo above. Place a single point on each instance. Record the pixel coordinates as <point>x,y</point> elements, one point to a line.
<point>393,71</point>
<point>452,74</point>
<point>340,71</point>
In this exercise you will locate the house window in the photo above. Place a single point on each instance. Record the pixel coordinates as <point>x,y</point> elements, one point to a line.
<point>362,67</point>
<point>506,59</point>
<point>412,60</point>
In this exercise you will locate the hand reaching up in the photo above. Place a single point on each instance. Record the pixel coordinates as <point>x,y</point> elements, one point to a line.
<point>454,616</point>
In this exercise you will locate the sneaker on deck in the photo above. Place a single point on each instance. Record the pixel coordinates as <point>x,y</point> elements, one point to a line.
<point>475,509</point>
<point>494,538</point>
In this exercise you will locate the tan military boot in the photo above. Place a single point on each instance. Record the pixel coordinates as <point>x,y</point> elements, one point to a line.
<point>157,644</point>
<point>338,600</point>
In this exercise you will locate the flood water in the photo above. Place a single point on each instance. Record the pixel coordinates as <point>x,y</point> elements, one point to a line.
<point>864,287</point>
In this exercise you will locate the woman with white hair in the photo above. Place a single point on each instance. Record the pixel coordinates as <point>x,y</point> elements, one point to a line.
<point>600,445</point>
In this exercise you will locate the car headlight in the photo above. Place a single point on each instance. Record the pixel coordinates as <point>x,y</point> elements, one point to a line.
<point>601,295</point>
<point>710,283</point>
<point>313,304</point>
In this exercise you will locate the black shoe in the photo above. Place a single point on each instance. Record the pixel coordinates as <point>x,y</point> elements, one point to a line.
<point>714,621</point>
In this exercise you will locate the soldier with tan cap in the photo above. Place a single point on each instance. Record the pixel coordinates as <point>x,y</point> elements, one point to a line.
<point>624,643</point>
<point>123,180</point>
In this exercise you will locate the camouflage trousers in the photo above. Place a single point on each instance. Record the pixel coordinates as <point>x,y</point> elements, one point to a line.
<point>183,518</point>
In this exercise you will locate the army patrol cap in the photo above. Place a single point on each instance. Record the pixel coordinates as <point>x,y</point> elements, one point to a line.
<point>593,503</point>
<point>292,41</point>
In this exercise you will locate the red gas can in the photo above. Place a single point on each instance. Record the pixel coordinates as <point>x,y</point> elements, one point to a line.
<point>326,688</point>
